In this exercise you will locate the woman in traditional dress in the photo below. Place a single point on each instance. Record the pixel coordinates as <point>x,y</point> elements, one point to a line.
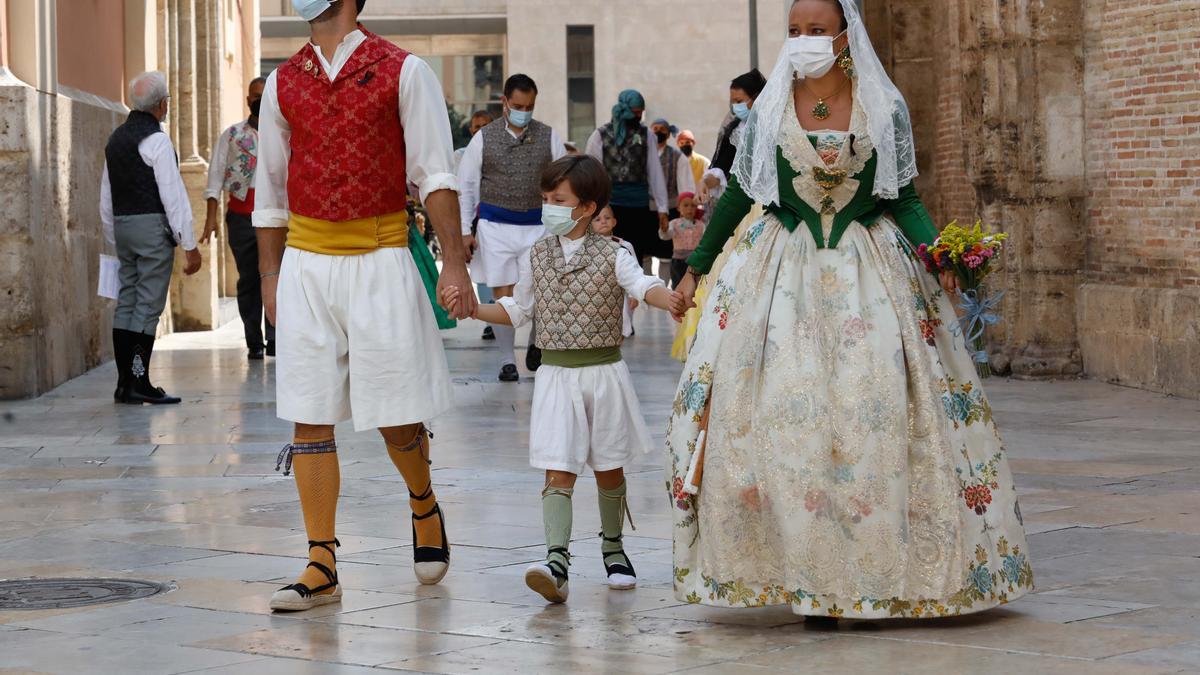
<point>849,466</point>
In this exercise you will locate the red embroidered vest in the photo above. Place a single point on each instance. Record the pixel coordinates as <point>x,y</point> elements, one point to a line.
<point>347,145</point>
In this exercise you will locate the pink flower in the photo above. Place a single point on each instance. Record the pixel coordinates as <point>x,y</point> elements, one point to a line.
<point>816,500</point>
<point>751,498</point>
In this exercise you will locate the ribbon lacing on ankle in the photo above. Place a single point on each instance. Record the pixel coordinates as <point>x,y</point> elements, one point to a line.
<point>625,512</point>
<point>416,442</point>
<point>314,448</point>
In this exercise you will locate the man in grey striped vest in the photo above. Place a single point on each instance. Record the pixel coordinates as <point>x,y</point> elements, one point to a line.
<point>498,176</point>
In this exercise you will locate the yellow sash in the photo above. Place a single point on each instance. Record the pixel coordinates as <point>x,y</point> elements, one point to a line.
<point>348,237</point>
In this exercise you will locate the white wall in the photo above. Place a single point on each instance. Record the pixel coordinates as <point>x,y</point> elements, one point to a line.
<point>681,54</point>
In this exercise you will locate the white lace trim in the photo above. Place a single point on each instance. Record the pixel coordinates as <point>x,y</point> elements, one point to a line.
<point>802,156</point>
<point>887,125</point>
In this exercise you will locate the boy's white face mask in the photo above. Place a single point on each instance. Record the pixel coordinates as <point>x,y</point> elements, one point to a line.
<point>557,219</point>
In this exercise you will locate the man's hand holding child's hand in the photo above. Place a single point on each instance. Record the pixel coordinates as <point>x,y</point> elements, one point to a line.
<point>450,299</point>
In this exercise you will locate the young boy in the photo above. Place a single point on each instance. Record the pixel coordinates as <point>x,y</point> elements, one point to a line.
<point>603,225</point>
<point>585,410</point>
<point>686,231</point>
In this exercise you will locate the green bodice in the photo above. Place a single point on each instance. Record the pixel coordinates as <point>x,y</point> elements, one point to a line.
<point>864,208</point>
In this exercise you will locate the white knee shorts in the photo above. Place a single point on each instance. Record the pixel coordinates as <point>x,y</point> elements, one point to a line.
<point>586,417</point>
<point>501,248</point>
<point>356,339</point>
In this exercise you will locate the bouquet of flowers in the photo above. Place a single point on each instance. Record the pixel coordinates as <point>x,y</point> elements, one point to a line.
<point>968,253</point>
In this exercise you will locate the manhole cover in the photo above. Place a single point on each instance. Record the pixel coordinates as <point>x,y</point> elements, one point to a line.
<point>61,593</point>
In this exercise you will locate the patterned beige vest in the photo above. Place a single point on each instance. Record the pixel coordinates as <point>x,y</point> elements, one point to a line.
<point>577,304</point>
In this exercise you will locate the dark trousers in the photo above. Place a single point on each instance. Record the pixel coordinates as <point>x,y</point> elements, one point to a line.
<point>638,226</point>
<point>244,244</point>
<point>678,269</point>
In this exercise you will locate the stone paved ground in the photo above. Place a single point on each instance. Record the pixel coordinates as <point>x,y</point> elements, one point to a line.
<point>188,495</point>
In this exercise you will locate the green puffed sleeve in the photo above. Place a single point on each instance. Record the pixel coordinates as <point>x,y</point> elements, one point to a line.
<point>911,216</point>
<point>728,214</point>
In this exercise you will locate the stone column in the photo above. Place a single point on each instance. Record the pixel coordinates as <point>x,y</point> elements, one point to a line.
<point>194,298</point>
<point>1022,120</point>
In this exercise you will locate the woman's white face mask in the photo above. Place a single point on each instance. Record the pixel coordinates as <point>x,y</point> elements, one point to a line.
<point>812,55</point>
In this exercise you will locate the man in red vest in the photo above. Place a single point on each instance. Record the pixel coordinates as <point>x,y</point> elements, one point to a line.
<point>344,125</point>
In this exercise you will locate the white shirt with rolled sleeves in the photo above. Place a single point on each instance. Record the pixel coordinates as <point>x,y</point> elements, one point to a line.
<point>157,152</point>
<point>658,182</point>
<point>430,166</point>
<point>382,309</point>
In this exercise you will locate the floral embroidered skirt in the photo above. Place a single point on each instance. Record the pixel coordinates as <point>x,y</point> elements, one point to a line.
<point>851,466</point>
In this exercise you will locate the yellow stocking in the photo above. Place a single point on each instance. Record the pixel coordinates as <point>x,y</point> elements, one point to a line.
<point>318,480</point>
<point>411,457</point>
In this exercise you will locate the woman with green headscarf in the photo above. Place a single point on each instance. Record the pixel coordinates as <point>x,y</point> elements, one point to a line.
<point>639,190</point>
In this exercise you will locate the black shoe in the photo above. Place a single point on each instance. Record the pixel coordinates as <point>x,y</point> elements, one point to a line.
<point>488,333</point>
<point>140,388</point>
<point>155,396</point>
<point>297,597</point>
<point>621,576</point>
<point>821,622</point>
<point>121,395</point>
<point>430,563</point>
<point>271,348</point>
<point>508,373</point>
<point>255,354</point>
<point>533,358</point>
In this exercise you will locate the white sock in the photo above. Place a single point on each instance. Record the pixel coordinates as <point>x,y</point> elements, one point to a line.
<point>505,335</point>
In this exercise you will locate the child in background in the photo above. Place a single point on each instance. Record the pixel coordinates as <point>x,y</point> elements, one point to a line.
<point>685,231</point>
<point>603,225</point>
<point>585,410</point>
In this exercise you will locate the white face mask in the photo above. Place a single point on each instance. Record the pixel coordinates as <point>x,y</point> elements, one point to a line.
<point>811,55</point>
<point>311,9</point>
<point>557,219</point>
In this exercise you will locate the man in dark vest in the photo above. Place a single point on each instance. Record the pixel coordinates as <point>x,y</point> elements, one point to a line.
<point>639,189</point>
<point>231,170</point>
<point>499,174</point>
<point>145,212</point>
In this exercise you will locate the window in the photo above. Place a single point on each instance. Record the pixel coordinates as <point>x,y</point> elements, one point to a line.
<point>469,83</point>
<point>581,84</point>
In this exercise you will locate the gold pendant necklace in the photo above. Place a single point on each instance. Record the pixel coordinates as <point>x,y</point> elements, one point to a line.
<point>821,110</point>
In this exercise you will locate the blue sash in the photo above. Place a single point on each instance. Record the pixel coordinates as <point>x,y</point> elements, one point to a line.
<point>496,214</point>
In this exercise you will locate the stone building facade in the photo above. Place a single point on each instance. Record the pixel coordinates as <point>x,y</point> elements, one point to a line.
<point>1075,126</point>
<point>64,65</point>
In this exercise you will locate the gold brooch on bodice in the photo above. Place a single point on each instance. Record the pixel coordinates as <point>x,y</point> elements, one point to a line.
<point>828,180</point>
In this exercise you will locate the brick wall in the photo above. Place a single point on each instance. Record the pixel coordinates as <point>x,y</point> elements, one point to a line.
<point>954,198</point>
<point>1139,309</point>
<point>1142,78</point>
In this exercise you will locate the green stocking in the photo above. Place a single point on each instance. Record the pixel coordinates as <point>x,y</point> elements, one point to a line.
<point>556,517</point>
